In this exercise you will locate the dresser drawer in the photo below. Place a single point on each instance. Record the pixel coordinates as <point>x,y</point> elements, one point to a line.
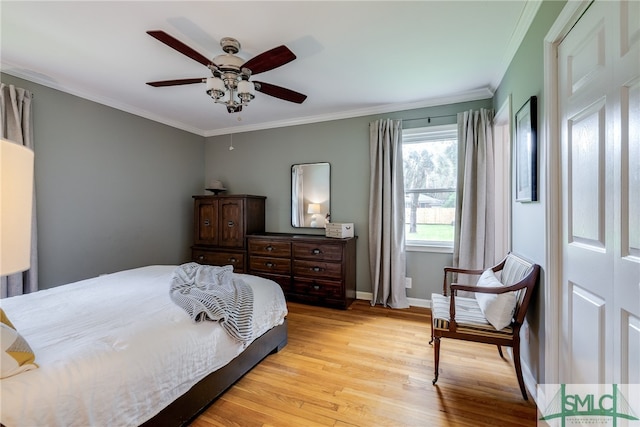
<point>270,265</point>
<point>270,248</point>
<point>320,251</point>
<point>317,288</point>
<point>317,269</point>
<point>219,258</point>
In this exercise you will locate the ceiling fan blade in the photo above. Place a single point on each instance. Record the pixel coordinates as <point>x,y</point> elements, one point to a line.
<point>176,44</point>
<point>176,82</point>
<point>280,92</point>
<point>269,60</point>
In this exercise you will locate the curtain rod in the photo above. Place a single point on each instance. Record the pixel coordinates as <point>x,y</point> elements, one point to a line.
<point>428,118</point>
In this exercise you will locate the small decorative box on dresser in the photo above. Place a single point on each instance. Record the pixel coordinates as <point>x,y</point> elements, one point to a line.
<point>310,268</point>
<point>221,224</point>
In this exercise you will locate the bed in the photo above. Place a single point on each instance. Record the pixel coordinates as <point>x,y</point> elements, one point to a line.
<point>116,350</point>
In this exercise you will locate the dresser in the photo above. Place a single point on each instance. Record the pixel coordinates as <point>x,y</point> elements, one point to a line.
<point>309,268</point>
<point>221,224</point>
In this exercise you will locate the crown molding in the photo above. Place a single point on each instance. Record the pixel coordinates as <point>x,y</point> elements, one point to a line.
<point>524,22</point>
<point>20,73</point>
<point>473,95</point>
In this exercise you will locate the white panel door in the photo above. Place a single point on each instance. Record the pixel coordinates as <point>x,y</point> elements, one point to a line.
<point>599,106</point>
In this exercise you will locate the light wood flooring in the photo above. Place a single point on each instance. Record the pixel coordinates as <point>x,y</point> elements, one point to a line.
<point>372,366</point>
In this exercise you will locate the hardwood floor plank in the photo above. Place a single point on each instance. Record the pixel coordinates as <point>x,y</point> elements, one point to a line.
<point>372,366</point>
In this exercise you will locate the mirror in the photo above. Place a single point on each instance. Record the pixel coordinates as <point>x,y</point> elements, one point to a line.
<point>310,195</point>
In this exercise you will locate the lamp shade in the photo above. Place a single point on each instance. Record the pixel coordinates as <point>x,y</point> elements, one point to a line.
<point>16,182</point>
<point>314,208</point>
<point>246,88</point>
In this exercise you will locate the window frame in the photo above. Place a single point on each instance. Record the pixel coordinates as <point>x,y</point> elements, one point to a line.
<point>425,134</point>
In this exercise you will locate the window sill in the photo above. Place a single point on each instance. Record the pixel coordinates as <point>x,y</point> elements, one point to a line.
<point>434,248</point>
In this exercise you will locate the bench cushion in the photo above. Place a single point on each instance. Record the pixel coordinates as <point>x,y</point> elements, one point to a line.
<point>469,317</point>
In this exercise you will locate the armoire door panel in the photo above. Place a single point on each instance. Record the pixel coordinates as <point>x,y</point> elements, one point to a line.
<point>206,223</point>
<point>231,224</point>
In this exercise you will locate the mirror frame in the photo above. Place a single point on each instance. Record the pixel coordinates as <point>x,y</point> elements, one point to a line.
<point>316,194</point>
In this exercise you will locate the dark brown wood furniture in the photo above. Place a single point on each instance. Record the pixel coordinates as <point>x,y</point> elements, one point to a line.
<point>188,406</point>
<point>221,224</point>
<point>517,275</point>
<point>310,268</point>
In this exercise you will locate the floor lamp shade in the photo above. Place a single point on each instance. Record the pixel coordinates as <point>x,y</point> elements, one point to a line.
<point>16,180</point>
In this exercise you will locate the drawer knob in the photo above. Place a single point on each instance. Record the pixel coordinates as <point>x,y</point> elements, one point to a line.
<point>316,251</point>
<point>316,287</point>
<point>269,264</point>
<point>200,257</point>
<point>269,248</point>
<point>207,222</point>
<point>316,269</point>
<point>233,260</point>
<point>230,224</point>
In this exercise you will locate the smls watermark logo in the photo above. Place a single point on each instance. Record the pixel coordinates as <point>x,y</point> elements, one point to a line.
<point>593,405</point>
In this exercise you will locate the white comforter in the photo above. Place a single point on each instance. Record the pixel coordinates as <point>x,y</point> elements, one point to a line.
<point>115,350</point>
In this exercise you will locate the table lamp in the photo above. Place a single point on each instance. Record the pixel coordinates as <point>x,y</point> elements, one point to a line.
<point>16,182</point>
<point>314,208</point>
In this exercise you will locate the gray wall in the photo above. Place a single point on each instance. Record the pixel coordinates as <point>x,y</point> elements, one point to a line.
<point>261,164</point>
<point>525,78</point>
<point>113,189</point>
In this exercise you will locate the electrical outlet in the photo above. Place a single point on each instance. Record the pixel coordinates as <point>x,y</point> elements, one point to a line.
<point>407,282</point>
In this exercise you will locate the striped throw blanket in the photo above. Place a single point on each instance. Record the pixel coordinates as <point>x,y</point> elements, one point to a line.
<point>213,293</point>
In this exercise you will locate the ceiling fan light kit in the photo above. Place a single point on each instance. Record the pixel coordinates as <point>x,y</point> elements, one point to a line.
<point>229,84</point>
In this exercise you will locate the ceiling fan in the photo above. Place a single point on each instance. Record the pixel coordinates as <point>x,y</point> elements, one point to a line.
<point>229,84</point>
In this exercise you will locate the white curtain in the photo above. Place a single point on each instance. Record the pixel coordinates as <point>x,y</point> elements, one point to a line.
<point>16,124</point>
<point>475,217</point>
<point>387,259</point>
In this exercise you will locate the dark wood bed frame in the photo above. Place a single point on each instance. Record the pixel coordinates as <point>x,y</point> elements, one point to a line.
<point>188,406</point>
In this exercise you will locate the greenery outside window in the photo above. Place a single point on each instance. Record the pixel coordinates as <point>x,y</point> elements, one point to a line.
<point>430,161</point>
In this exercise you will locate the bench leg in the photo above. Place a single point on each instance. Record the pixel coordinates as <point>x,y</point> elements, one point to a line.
<point>516,362</point>
<point>431,342</point>
<point>436,357</point>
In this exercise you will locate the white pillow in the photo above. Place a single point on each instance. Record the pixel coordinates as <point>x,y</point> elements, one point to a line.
<point>16,355</point>
<point>497,308</point>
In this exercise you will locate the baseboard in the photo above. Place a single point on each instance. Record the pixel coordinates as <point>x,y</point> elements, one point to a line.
<point>414,302</point>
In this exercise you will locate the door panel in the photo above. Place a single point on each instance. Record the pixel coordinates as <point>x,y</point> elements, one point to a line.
<point>587,335</point>
<point>586,179</point>
<point>631,349</point>
<point>231,223</point>
<point>630,212</point>
<point>206,222</point>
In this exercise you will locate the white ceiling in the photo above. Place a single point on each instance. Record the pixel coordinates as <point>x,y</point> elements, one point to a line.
<point>353,57</point>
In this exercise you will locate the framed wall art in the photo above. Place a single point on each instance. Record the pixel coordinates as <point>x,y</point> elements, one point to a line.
<point>526,142</point>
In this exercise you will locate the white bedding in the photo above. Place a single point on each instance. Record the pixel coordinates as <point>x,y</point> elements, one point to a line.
<point>115,350</point>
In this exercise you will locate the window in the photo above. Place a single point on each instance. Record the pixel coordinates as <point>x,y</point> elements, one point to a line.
<point>430,161</point>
